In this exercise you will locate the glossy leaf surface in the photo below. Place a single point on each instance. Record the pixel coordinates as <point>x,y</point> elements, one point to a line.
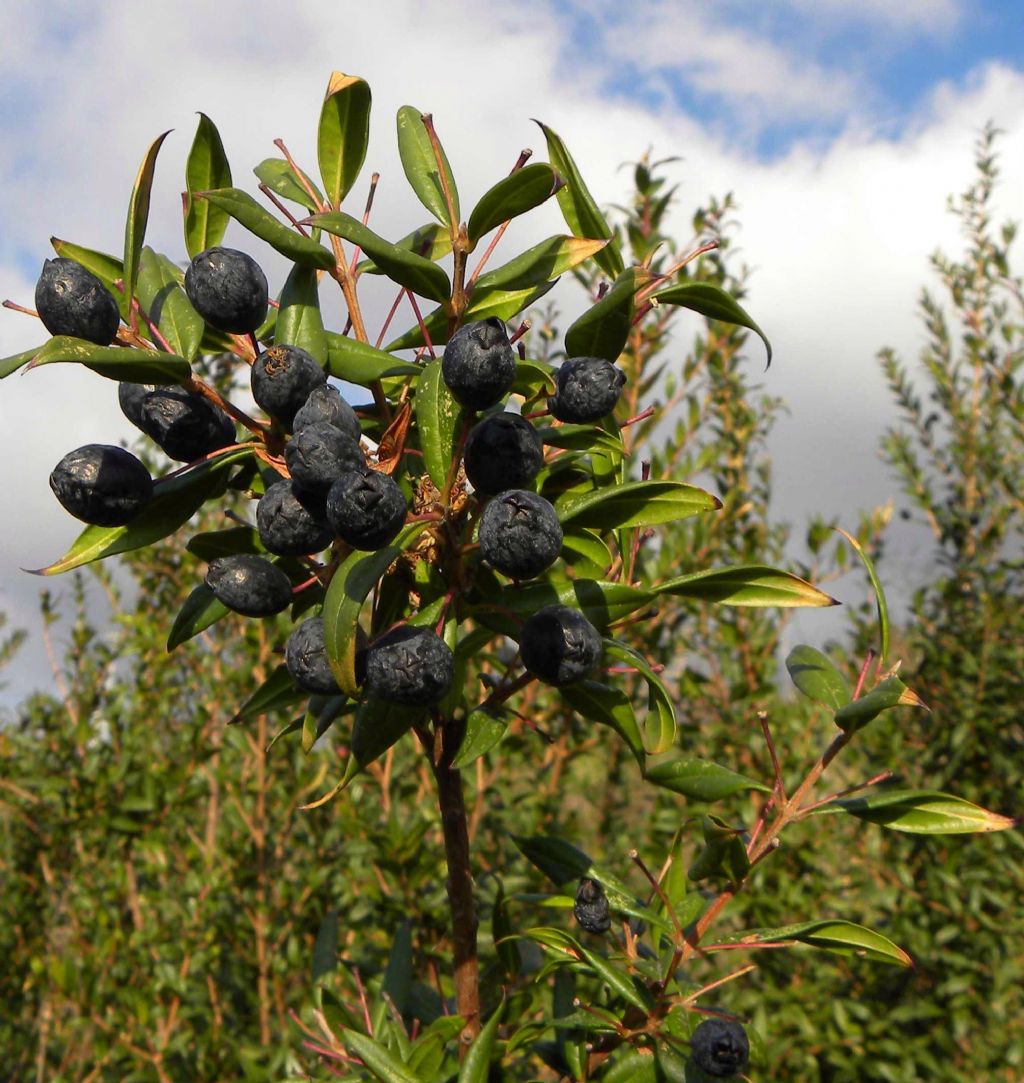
<point>439,417</point>
<point>814,674</point>
<point>207,167</point>
<point>359,363</point>
<point>541,263</point>
<point>201,609</point>
<point>343,134</point>
<point>746,585</point>
<point>701,780</point>
<point>841,937</point>
<point>299,322</point>
<point>892,692</point>
<point>602,331</point>
<point>421,168</point>
<point>138,215</point>
<point>282,180</point>
<point>923,812</point>
<point>161,296</point>
<point>714,303</point>
<point>513,195</point>
<point>115,362</point>
<point>635,503</point>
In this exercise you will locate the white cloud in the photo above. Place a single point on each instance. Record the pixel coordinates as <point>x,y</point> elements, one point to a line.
<point>930,17</point>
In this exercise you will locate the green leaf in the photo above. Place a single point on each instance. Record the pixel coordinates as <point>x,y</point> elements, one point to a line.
<point>724,855</point>
<point>201,609</point>
<point>293,726</point>
<point>277,691</point>
<point>477,1065</point>
<point>207,167</point>
<point>343,134</point>
<point>421,169</point>
<point>175,500</point>
<point>876,585</point>
<point>325,950</point>
<point>602,331</point>
<point>225,543</point>
<point>160,296</point>
<point>108,269</point>
<point>701,780</point>
<point>586,553</point>
<point>619,981</point>
<point>533,378</point>
<point>483,731</point>
<point>115,362</point>
<point>635,503</point>
<point>138,215</point>
<point>431,241</point>
<point>281,179</point>
<point>247,212</point>
<point>923,812</point>
<point>609,706</point>
<point>713,302</point>
<point>377,1059</point>
<point>415,273</point>
<point>439,417</point>
<point>815,675</point>
<point>11,364</point>
<point>359,363</point>
<point>322,713</point>
<point>892,692</point>
<point>349,589</point>
<point>541,263</point>
<point>602,603</point>
<point>578,207</point>
<point>512,196</point>
<point>299,322</point>
<point>748,585</point>
<point>660,723</point>
<point>841,937</point>
<point>582,438</point>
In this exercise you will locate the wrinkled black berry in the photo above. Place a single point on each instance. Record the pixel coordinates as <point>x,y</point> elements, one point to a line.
<point>319,454</point>
<point>72,301</point>
<point>186,426</point>
<point>479,364</point>
<point>101,484</point>
<point>591,907</point>
<point>326,404</point>
<point>366,509</point>
<point>587,389</point>
<point>249,584</point>
<point>286,527</point>
<point>504,451</point>
<point>228,289</point>
<point>306,658</point>
<point>407,665</point>
<point>520,534</point>
<point>720,1047</point>
<point>282,379</point>
<point>559,645</point>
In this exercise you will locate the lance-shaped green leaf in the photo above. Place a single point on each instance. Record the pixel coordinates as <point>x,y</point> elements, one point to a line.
<point>724,855</point>
<point>892,692</point>
<point>602,331</point>
<point>439,418</point>
<point>701,780</point>
<point>602,603</point>
<point>541,263</point>
<point>359,363</point>
<point>164,301</point>
<point>881,605</point>
<point>476,1067</point>
<point>714,303</point>
<point>406,268</point>
<point>582,438</point>
<point>277,691</point>
<point>322,713</point>
<point>343,134</point>
<point>431,241</point>
<point>484,729</point>
<point>282,180</point>
<point>619,981</point>
<point>922,812</point>
<point>578,207</point>
<point>16,361</point>
<point>635,503</point>
<point>482,304</point>
<point>225,543</point>
<point>747,584</point>
<point>138,215</point>
<point>115,362</point>
<point>814,674</point>
<point>586,553</point>
<point>207,167</point>
<point>247,212</point>
<point>349,589</point>
<point>512,196</point>
<point>377,1058</point>
<point>840,937</point>
<point>108,269</point>
<point>421,167</point>
<point>299,322</point>
<point>201,609</point>
<point>609,706</point>
<point>660,724</point>
<point>175,500</point>
<point>288,728</point>
<point>533,378</point>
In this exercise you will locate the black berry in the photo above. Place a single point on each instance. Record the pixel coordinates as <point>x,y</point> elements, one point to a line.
<point>72,301</point>
<point>407,665</point>
<point>559,645</point>
<point>479,364</point>
<point>228,289</point>
<point>520,534</point>
<point>306,658</point>
<point>591,907</point>
<point>186,426</point>
<point>282,379</point>
<point>249,584</point>
<point>587,389</point>
<point>326,404</point>
<point>366,509</point>
<point>285,526</point>
<point>504,451</point>
<point>101,484</point>
<point>720,1047</point>
<point>319,454</point>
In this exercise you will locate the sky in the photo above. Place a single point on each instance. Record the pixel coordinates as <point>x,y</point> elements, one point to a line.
<point>839,127</point>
